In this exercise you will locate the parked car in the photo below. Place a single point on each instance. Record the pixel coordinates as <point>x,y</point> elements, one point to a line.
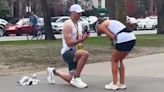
<point>58,23</point>
<point>144,23</point>
<point>2,26</point>
<point>22,26</point>
<point>84,23</point>
<point>92,22</point>
<point>14,20</point>
<point>154,19</point>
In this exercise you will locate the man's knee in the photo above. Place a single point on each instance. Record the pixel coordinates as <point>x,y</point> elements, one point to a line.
<point>82,52</point>
<point>86,53</point>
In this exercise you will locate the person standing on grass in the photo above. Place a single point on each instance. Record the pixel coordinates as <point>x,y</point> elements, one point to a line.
<point>123,41</point>
<point>33,22</point>
<point>72,51</point>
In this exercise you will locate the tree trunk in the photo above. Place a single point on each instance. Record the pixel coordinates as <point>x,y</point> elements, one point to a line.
<point>120,11</point>
<point>49,35</point>
<point>76,1</point>
<point>16,9</point>
<point>33,4</point>
<point>117,10</point>
<point>110,4</point>
<point>160,9</point>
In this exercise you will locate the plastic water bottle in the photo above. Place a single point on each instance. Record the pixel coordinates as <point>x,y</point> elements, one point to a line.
<point>34,76</point>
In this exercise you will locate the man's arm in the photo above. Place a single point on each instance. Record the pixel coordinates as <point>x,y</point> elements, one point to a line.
<point>67,32</point>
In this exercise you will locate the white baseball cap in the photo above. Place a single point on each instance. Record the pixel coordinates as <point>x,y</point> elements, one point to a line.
<point>76,8</point>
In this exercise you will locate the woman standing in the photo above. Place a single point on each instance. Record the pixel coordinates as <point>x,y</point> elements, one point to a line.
<point>123,41</point>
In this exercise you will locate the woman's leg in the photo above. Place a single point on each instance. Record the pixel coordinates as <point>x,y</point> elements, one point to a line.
<point>122,72</point>
<point>117,58</point>
<point>114,65</point>
<point>122,67</point>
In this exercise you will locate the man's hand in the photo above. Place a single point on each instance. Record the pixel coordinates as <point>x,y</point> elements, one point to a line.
<point>84,36</point>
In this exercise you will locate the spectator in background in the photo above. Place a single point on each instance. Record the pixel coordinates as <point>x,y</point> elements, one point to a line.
<point>33,22</point>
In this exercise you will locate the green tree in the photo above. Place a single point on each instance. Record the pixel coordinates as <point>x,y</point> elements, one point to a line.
<point>160,9</point>
<point>49,35</point>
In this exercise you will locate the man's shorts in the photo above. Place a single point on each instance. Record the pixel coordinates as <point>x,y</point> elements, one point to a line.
<point>69,57</point>
<point>125,46</point>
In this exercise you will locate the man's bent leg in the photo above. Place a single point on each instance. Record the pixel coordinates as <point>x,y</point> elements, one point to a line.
<point>81,59</point>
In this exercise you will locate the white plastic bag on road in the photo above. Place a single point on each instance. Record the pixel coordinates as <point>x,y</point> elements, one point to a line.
<point>26,80</point>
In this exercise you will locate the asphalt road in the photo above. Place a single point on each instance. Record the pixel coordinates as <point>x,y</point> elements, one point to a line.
<point>58,36</point>
<point>143,74</point>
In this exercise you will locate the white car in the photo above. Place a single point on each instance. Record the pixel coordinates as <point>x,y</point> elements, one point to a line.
<point>144,23</point>
<point>92,22</point>
<point>58,23</point>
<point>154,19</point>
<point>84,23</point>
<point>2,26</point>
